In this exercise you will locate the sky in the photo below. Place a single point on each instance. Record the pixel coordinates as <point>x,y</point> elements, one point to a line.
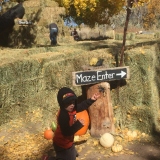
<point>70,23</point>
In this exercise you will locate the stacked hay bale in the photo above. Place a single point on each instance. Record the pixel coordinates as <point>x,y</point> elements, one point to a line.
<point>96,33</point>
<point>30,79</point>
<point>136,104</point>
<point>129,36</point>
<point>41,13</point>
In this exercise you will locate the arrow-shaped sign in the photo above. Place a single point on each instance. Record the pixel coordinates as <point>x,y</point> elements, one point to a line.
<point>122,74</point>
<point>100,75</point>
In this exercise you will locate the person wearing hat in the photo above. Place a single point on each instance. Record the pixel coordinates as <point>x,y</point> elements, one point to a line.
<point>67,125</point>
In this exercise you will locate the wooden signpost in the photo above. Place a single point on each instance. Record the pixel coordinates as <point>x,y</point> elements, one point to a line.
<point>100,75</point>
<point>101,112</point>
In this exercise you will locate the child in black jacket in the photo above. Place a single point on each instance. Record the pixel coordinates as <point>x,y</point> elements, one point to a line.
<point>67,125</point>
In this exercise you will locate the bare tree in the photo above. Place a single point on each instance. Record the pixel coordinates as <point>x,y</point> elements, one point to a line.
<point>128,9</point>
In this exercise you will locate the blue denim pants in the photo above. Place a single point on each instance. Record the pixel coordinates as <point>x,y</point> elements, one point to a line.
<point>53,36</point>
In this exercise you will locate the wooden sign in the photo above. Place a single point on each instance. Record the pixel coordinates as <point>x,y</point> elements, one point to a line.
<point>24,22</point>
<point>100,75</point>
<point>101,111</point>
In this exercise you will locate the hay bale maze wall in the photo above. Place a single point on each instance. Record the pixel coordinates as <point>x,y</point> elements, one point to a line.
<point>136,105</point>
<point>30,80</point>
<point>135,36</point>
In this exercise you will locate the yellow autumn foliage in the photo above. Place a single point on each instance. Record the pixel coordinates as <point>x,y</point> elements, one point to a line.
<point>153,10</point>
<point>91,10</point>
<point>96,11</point>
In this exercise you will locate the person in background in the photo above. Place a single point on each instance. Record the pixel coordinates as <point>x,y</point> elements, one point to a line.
<point>53,28</point>
<point>75,34</point>
<point>67,124</point>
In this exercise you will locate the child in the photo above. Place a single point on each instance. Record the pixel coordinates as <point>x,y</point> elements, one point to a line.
<point>67,125</point>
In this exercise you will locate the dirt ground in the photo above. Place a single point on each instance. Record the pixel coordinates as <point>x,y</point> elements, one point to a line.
<point>135,150</point>
<point>132,151</point>
<point>19,141</point>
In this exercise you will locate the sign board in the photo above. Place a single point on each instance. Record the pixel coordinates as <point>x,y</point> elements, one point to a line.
<point>24,22</point>
<point>100,75</point>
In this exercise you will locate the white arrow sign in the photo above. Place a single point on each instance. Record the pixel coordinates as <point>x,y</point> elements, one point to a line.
<point>122,74</point>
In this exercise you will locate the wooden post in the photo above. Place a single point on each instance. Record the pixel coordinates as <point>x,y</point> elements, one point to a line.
<point>101,112</point>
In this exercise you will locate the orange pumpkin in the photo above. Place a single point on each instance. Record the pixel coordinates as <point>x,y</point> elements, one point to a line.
<point>48,134</point>
<point>83,115</point>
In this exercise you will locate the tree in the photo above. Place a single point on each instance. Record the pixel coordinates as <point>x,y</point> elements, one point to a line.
<point>129,5</point>
<point>128,9</point>
<point>153,14</point>
<point>91,11</point>
<point>99,11</point>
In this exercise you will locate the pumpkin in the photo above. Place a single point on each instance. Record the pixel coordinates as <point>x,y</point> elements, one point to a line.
<point>107,140</point>
<point>48,134</point>
<point>53,126</point>
<point>132,134</point>
<point>83,115</point>
<point>117,148</point>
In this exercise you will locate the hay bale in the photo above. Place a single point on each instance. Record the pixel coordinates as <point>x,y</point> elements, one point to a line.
<point>137,96</point>
<point>30,79</point>
<point>49,3</point>
<point>87,33</point>
<point>129,36</point>
<point>145,36</point>
<point>41,14</point>
<point>30,4</point>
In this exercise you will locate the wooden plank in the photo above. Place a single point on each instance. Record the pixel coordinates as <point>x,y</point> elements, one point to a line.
<point>101,112</point>
<point>100,75</point>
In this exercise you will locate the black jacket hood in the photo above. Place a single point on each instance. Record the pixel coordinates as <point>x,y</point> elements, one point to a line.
<point>65,95</point>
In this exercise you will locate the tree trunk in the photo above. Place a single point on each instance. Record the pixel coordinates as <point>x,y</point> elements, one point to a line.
<point>129,6</point>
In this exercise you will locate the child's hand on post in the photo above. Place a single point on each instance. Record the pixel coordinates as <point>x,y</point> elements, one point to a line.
<point>95,96</point>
